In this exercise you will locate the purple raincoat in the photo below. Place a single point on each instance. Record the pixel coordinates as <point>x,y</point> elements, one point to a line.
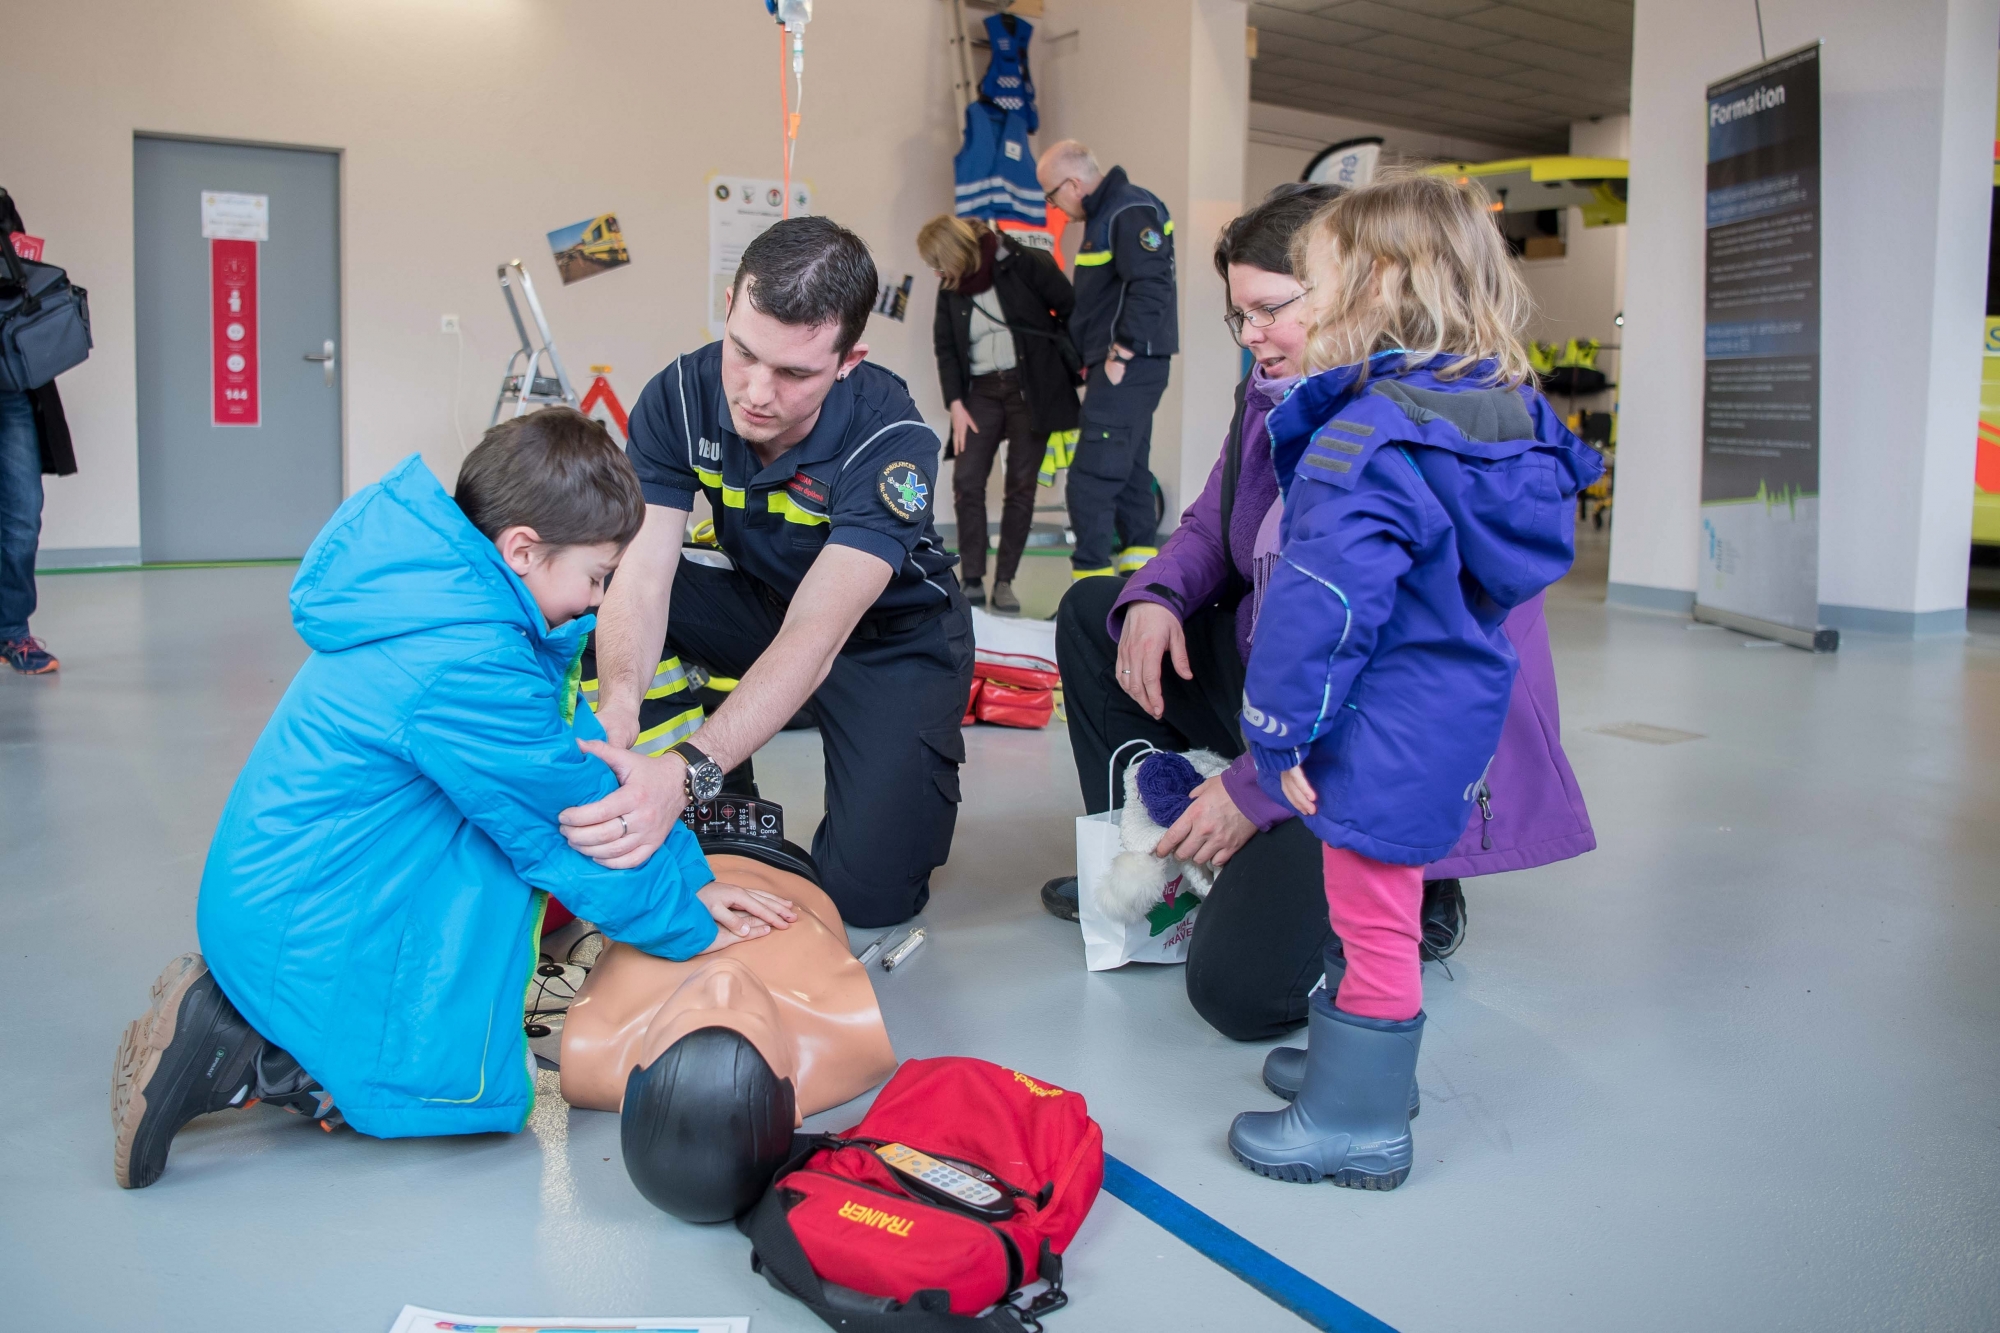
<point>1537,811</point>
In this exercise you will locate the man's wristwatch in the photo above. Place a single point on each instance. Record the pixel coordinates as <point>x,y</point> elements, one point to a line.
<point>704,775</point>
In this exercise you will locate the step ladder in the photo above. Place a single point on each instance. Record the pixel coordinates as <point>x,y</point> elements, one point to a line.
<point>525,385</point>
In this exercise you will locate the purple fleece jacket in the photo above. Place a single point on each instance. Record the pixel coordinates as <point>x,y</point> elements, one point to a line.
<point>1542,821</point>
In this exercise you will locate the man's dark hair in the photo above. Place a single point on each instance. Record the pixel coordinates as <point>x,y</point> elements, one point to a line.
<point>811,271</point>
<point>1262,238</point>
<point>555,471</point>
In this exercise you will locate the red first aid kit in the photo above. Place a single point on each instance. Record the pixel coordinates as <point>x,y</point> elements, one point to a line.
<point>1012,689</point>
<point>863,1226</point>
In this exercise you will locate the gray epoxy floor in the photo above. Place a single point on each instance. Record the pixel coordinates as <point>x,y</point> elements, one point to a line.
<point>1737,1069</point>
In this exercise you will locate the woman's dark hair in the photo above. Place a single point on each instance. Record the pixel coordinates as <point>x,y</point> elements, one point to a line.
<point>811,272</point>
<point>555,471</point>
<point>1262,238</point>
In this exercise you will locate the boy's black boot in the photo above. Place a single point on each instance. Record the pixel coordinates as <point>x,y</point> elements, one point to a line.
<point>190,1054</point>
<point>1351,1119</point>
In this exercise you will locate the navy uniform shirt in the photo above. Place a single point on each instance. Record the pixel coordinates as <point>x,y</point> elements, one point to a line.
<point>1125,280</point>
<point>866,477</point>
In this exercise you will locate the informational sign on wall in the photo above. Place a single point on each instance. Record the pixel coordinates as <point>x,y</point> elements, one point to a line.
<point>1761,393</point>
<point>234,225</point>
<point>740,209</point>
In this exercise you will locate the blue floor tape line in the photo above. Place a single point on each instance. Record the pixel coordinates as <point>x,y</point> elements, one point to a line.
<point>1280,1281</point>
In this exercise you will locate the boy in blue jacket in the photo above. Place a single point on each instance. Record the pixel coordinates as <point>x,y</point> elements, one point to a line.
<point>1429,490</point>
<point>371,905</point>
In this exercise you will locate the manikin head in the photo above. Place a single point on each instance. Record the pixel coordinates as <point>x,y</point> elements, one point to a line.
<point>801,298</point>
<point>1267,303</point>
<point>1068,175</point>
<point>713,1062</point>
<point>558,500</point>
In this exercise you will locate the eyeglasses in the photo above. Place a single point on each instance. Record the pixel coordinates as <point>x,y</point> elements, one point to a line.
<point>1049,196</point>
<point>1257,317</point>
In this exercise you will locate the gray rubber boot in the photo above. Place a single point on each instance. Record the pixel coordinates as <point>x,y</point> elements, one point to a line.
<point>1351,1118</point>
<point>1285,1066</point>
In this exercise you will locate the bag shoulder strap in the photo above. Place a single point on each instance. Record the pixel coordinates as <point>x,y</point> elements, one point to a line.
<point>1233,584</point>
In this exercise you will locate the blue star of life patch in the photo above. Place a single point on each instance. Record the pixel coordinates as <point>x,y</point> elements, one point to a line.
<point>904,491</point>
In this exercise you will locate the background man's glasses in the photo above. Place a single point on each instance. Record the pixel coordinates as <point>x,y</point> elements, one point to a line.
<point>1257,317</point>
<point>1049,196</point>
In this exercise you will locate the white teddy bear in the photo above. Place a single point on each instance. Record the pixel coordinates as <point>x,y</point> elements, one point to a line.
<point>1138,879</point>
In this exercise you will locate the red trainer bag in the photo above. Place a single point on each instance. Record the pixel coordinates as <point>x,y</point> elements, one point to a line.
<point>871,1253</point>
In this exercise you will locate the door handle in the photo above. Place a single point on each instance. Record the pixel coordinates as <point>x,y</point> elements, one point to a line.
<point>325,359</point>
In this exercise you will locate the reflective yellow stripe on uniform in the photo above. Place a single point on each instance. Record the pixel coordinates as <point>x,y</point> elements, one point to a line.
<point>1134,557</point>
<point>668,678</point>
<point>1091,258</point>
<point>707,478</point>
<point>732,497</point>
<point>1168,230</point>
<point>778,502</point>
<point>1079,575</point>
<point>1060,453</point>
<point>657,740</point>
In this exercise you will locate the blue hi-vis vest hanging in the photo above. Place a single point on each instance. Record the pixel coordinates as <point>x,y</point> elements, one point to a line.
<point>996,169</point>
<point>1007,83</point>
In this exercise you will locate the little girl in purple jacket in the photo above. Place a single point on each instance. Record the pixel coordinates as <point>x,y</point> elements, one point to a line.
<point>1429,491</point>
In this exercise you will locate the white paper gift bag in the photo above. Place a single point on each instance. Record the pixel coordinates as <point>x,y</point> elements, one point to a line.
<point>1160,936</point>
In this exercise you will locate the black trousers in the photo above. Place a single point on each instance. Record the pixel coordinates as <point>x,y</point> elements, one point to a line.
<point>999,412</point>
<point>888,715</point>
<point>1256,950</point>
<point>1110,487</point>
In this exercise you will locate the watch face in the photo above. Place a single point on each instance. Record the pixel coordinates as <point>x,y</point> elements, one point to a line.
<point>706,779</point>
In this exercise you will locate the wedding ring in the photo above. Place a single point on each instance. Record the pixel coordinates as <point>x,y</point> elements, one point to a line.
<point>627,827</point>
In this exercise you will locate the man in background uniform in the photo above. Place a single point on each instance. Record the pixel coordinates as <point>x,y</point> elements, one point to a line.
<point>830,590</point>
<point>1127,325</point>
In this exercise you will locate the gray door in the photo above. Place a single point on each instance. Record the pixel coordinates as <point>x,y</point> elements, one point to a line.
<point>236,491</point>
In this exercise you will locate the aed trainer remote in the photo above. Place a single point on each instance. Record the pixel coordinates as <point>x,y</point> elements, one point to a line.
<point>944,1183</point>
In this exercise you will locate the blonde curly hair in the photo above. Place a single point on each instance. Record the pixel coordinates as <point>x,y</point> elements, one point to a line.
<point>1413,262</point>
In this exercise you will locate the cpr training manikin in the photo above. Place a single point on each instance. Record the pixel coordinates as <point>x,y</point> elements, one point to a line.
<point>713,1062</point>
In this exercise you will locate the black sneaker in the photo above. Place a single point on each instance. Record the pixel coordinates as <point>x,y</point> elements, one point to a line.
<point>1059,898</point>
<point>192,1053</point>
<point>1443,919</point>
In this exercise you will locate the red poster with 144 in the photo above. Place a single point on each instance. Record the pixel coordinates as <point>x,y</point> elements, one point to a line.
<point>232,278</point>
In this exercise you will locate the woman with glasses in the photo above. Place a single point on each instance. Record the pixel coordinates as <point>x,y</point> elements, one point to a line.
<point>1008,372</point>
<point>1159,657</point>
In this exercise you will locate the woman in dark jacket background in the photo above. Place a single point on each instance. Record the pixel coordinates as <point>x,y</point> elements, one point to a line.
<point>1004,364</point>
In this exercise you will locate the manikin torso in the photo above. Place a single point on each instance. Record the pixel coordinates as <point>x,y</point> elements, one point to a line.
<point>797,995</point>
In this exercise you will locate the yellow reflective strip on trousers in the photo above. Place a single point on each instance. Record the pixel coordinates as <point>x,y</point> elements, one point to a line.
<point>656,740</point>
<point>777,502</point>
<point>668,678</point>
<point>1135,557</point>
<point>1092,258</point>
<point>1079,575</point>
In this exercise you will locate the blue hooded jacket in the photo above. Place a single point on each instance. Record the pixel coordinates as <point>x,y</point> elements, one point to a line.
<point>368,900</point>
<point>1418,512</point>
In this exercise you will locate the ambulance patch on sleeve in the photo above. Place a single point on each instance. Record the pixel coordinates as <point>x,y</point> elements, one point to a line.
<point>1149,239</point>
<point>904,491</point>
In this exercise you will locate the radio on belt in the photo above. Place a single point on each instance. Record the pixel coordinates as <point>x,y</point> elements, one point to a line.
<point>737,816</point>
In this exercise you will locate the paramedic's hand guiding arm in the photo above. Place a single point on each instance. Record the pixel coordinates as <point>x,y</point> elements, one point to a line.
<point>836,592</point>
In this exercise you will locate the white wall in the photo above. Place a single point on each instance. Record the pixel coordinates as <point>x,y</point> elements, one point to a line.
<point>469,128</point>
<point>1908,97</point>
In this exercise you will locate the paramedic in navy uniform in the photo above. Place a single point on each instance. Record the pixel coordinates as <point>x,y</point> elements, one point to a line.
<point>1126,324</point>
<point>822,477</point>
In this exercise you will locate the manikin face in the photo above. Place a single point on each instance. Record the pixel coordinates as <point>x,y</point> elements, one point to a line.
<point>566,581</point>
<point>1280,346</point>
<point>776,376</point>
